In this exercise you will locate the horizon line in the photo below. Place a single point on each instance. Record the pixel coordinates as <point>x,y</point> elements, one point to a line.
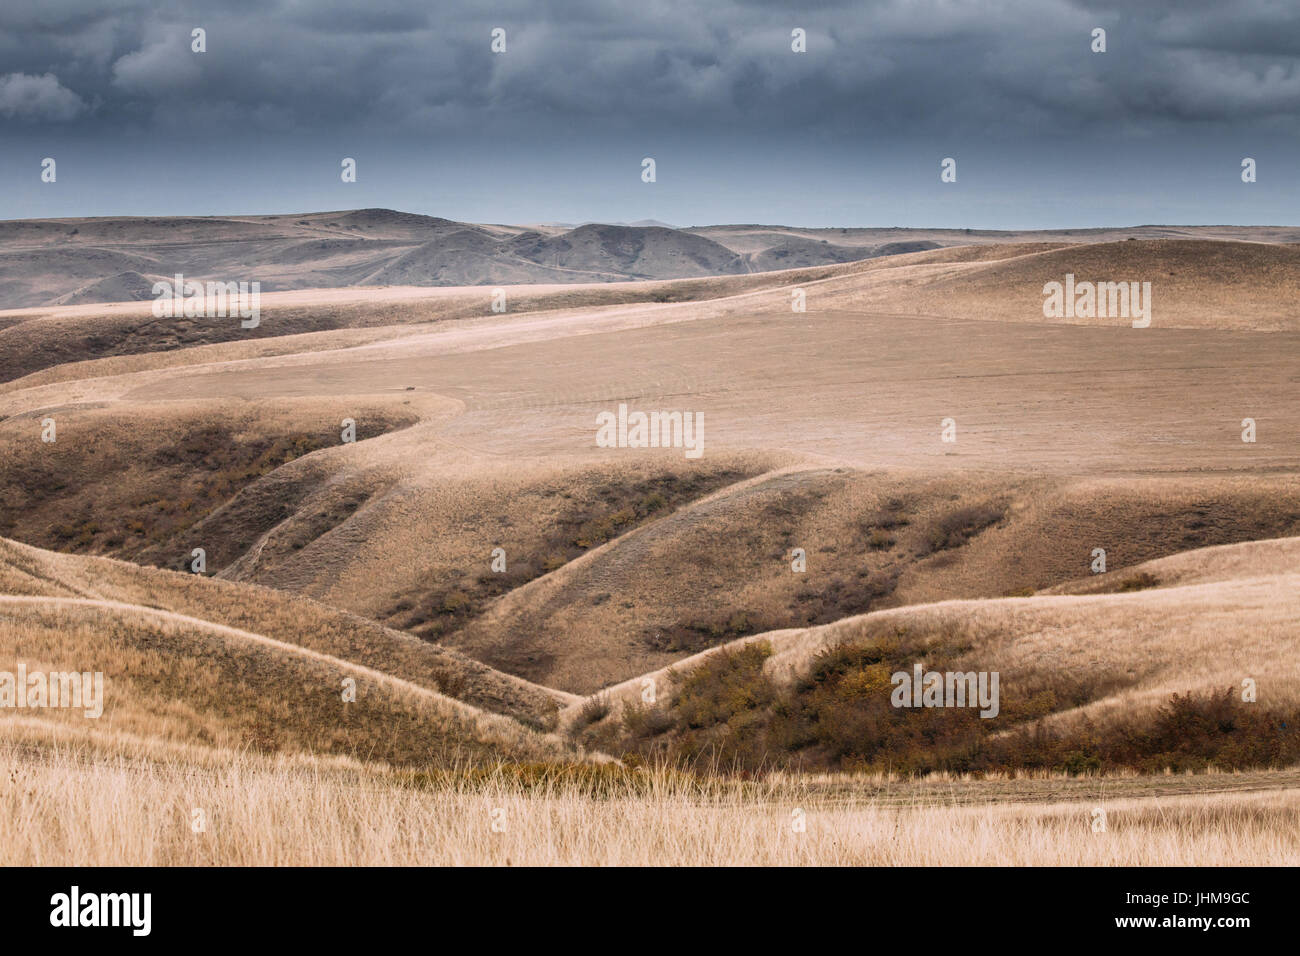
<point>632,225</point>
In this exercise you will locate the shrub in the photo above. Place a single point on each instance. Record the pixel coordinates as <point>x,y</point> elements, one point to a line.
<point>594,709</point>
<point>643,721</point>
<point>880,540</point>
<point>957,527</point>
<point>1139,582</point>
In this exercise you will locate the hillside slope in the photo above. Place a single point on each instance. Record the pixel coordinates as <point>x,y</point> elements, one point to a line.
<point>182,680</point>
<point>1183,677</point>
<point>129,590</point>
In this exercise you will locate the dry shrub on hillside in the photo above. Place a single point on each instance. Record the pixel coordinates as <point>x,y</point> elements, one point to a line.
<point>135,486</point>
<point>728,712</point>
<point>588,515</point>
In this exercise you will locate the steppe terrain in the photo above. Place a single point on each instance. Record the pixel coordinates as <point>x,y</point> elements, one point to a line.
<point>641,673</point>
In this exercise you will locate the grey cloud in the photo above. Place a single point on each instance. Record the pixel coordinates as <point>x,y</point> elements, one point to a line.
<point>38,98</point>
<point>922,67</point>
<point>164,65</point>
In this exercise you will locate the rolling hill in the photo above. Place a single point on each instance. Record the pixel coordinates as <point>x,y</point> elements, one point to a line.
<point>1138,679</point>
<point>504,584</point>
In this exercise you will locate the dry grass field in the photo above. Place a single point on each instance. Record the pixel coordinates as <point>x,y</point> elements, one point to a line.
<point>501,591</point>
<point>255,812</point>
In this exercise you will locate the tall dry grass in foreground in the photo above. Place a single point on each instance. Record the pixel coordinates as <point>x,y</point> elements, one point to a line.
<point>63,809</point>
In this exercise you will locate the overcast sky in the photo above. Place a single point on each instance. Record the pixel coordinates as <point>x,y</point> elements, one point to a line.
<point>1045,132</point>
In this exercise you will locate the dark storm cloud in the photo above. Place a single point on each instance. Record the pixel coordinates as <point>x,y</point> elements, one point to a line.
<point>743,130</point>
<point>924,67</point>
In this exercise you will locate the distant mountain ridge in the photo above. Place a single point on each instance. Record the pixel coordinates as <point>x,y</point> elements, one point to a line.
<point>111,259</point>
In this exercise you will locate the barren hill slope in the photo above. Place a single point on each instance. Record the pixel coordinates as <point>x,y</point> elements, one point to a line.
<point>1212,565</point>
<point>60,260</point>
<point>27,572</point>
<point>869,541</point>
<point>1194,283</point>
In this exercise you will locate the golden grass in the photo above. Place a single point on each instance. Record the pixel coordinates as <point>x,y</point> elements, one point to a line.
<point>58,808</point>
<point>178,679</point>
<point>280,616</point>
